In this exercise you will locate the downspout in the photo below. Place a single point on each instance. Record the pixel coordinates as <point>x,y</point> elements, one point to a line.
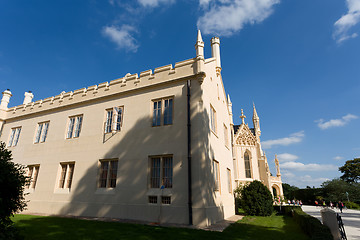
<point>189,153</point>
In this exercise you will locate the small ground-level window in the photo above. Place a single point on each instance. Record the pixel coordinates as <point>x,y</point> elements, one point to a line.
<point>33,171</point>
<point>165,199</point>
<point>153,199</point>
<point>108,173</point>
<point>66,176</point>
<point>216,175</point>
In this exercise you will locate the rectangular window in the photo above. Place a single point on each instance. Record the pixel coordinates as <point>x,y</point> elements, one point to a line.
<point>74,127</point>
<point>113,119</point>
<point>229,180</point>
<point>153,199</point>
<point>161,172</point>
<point>216,175</point>
<point>66,176</point>
<point>108,173</point>
<point>14,137</point>
<point>163,112</point>
<point>165,199</point>
<point>33,171</point>
<point>226,136</point>
<point>213,119</point>
<point>42,131</point>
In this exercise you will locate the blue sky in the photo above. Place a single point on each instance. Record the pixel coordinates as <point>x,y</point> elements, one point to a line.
<point>298,60</point>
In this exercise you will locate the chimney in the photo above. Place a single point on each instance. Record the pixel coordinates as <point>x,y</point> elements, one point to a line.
<point>215,50</point>
<point>28,97</point>
<point>5,99</point>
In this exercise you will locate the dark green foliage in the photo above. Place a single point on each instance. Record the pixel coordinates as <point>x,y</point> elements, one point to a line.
<point>311,226</point>
<point>352,205</point>
<point>336,189</point>
<point>351,171</point>
<point>12,182</point>
<point>256,199</point>
<point>289,191</point>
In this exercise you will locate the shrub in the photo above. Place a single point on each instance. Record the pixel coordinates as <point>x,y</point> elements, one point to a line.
<point>256,199</point>
<point>311,225</point>
<point>352,205</point>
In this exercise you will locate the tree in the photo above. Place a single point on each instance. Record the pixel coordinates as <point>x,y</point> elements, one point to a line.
<point>335,190</point>
<point>12,182</point>
<point>289,191</point>
<point>351,171</point>
<point>256,199</point>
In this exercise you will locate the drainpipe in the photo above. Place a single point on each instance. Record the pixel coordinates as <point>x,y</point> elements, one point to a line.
<point>189,153</point>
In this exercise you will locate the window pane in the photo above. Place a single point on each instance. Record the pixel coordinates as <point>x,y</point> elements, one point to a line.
<point>229,180</point>
<point>71,128</point>
<point>167,172</point>
<point>118,119</point>
<point>44,132</point>
<point>11,137</point>
<point>31,168</point>
<point>17,135</point>
<point>168,111</point>
<point>103,174</point>
<point>216,175</point>
<point>36,172</point>
<point>155,173</point>
<point>213,119</point>
<point>70,175</point>
<point>157,113</point>
<point>109,117</point>
<point>62,176</point>
<point>78,126</point>
<point>113,174</point>
<point>247,165</point>
<point>38,134</point>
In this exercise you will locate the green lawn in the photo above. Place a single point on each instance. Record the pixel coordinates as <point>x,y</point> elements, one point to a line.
<point>49,228</point>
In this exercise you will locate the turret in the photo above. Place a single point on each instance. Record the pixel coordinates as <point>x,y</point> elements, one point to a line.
<point>215,52</point>
<point>6,95</point>
<point>256,122</point>
<point>199,46</point>
<point>28,97</point>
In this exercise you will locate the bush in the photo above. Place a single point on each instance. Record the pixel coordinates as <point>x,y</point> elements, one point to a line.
<point>311,226</point>
<point>256,199</point>
<point>352,205</point>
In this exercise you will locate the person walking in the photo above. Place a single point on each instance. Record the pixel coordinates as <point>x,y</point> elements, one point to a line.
<point>341,205</point>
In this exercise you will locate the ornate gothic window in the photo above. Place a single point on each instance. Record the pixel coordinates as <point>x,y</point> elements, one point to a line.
<point>247,165</point>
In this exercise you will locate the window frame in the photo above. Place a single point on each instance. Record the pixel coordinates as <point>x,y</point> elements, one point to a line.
<point>66,176</point>
<point>213,119</point>
<point>229,180</point>
<point>113,125</point>
<point>41,132</point>
<point>163,115</point>
<point>110,182</point>
<point>32,174</point>
<point>226,136</point>
<point>75,126</point>
<point>14,136</point>
<point>216,174</point>
<point>250,168</point>
<point>164,175</point>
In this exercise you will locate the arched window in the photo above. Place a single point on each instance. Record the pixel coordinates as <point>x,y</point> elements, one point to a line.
<point>247,165</point>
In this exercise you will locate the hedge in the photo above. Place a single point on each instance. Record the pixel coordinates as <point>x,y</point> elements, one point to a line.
<point>309,224</point>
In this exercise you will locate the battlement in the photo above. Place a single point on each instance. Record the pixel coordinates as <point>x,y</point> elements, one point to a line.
<point>130,82</point>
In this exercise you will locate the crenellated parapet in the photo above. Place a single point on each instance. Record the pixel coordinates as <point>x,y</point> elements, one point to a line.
<point>130,82</point>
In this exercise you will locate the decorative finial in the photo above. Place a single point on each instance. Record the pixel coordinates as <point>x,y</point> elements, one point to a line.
<point>242,116</point>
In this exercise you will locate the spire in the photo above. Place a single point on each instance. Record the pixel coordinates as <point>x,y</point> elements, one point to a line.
<point>199,45</point>
<point>242,117</point>
<point>255,115</point>
<point>229,104</point>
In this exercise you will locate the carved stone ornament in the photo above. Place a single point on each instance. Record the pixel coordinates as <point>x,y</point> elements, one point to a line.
<point>245,136</point>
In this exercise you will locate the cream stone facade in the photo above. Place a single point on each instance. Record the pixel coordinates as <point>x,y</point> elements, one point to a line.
<point>160,146</point>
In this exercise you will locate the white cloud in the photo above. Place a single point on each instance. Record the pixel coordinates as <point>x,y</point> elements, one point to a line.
<point>335,122</point>
<point>338,158</point>
<point>347,21</point>
<point>226,17</point>
<point>122,37</point>
<point>287,157</point>
<point>154,3</point>
<point>293,138</point>
<point>298,166</point>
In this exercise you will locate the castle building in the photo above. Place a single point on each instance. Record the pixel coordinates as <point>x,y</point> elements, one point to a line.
<point>160,146</point>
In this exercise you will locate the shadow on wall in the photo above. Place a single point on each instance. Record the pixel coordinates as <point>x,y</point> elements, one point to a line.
<point>133,147</point>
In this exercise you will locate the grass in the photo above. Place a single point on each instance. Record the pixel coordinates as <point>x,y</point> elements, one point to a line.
<point>51,228</point>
